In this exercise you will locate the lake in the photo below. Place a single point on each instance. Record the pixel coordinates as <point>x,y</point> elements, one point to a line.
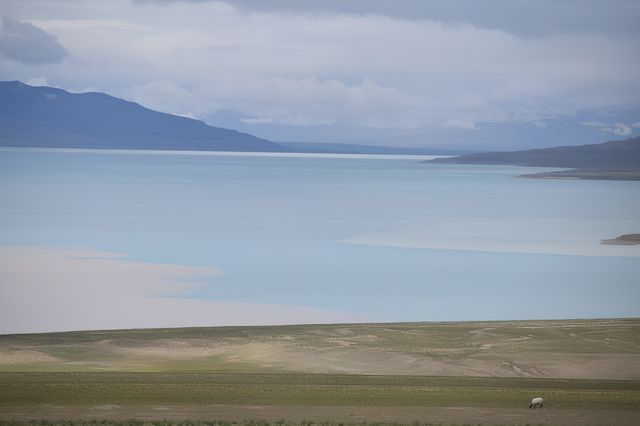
<point>346,238</point>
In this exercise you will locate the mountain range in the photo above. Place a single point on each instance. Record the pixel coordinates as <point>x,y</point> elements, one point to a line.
<point>54,118</point>
<point>49,117</point>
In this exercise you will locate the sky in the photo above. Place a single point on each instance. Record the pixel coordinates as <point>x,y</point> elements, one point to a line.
<point>468,74</point>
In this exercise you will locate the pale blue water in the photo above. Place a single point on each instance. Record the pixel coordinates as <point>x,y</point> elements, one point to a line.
<point>395,240</point>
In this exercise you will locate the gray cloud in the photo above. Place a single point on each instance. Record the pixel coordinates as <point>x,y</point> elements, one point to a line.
<point>24,42</point>
<point>354,70</point>
<point>530,18</point>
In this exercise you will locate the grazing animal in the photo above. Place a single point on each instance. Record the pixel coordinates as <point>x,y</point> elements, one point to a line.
<point>536,402</point>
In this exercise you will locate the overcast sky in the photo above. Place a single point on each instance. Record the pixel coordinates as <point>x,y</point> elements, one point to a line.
<point>471,74</point>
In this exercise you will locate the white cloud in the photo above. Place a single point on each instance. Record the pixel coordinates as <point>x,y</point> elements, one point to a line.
<point>165,96</point>
<point>54,289</point>
<point>288,120</point>
<point>310,101</point>
<point>37,81</point>
<point>258,120</point>
<point>619,129</point>
<point>294,102</point>
<point>636,124</point>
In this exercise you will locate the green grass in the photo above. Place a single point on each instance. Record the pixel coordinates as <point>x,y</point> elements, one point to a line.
<point>201,366</point>
<point>134,422</point>
<point>291,389</point>
<point>68,375</point>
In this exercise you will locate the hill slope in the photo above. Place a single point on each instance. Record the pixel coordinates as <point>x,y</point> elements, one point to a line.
<point>49,117</point>
<point>614,160</point>
<point>607,155</point>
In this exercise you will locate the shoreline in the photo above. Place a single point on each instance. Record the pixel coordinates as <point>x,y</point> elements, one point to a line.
<point>283,154</point>
<point>585,174</point>
<point>623,240</point>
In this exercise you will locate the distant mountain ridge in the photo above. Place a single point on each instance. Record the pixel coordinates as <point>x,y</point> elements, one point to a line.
<point>613,154</point>
<point>50,117</point>
<point>614,160</point>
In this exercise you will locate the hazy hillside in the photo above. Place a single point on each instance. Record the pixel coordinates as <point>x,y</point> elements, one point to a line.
<point>612,155</point>
<point>347,148</point>
<point>49,117</point>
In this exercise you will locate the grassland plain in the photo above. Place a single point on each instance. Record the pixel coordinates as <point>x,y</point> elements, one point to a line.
<point>580,349</point>
<point>447,373</point>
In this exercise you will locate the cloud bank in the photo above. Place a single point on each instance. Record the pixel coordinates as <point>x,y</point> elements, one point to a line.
<point>26,43</point>
<point>414,68</point>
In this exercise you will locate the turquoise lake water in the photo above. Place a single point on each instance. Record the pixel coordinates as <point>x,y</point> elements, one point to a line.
<point>389,239</point>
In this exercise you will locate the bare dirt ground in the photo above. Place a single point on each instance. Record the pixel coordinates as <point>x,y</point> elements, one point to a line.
<point>334,414</point>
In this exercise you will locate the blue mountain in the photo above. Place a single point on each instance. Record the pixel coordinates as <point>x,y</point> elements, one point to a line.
<point>50,117</point>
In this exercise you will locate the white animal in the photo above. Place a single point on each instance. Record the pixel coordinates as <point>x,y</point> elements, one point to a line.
<point>536,402</point>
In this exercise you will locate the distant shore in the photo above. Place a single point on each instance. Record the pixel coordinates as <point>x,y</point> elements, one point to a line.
<point>613,160</point>
<point>587,174</point>
<point>327,155</point>
<point>623,240</point>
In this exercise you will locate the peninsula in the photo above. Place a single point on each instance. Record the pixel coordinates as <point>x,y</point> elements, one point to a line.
<point>624,240</point>
<point>613,160</point>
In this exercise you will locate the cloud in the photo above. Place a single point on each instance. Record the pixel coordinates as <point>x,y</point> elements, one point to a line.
<point>295,102</point>
<point>530,18</point>
<point>619,129</point>
<point>280,67</point>
<point>460,124</point>
<point>312,101</point>
<point>54,289</point>
<point>598,124</point>
<point>24,42</point>
<point>307,70</point>
<point>165,96</point>
<point>37,81</point>
<point>297,121</point>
